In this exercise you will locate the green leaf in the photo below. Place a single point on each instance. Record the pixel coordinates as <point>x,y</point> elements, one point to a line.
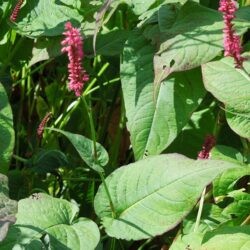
<point>7,134</point>
<point>108,44</point>
<point>226,153</point>
<point>42,215</point>
<point>154,120</point>
<point>153,195</point>
<point>45,18</point>
<point>46,161</point>
<point>232,87</point>
<point>200,124</point>
<point>8,208</point>
<point>139,6</point>
<point>239,209</point>
<point>84,234</point>
<point>224,183</point>
<point>84,147</point>
<point>45,48</point>
<point>189,241</point>
<point>235,237</point>
<point>190,43</point>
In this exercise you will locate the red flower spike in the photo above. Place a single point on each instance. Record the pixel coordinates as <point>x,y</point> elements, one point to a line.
<point>16,10</point>
<point>207,146</point>
<point>232,44</point>
<point>42,125</point>
<point>72,45</point>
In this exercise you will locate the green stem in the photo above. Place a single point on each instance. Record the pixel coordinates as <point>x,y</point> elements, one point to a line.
<point>18,158</point>
<point>92,128</point>
<point>198,218</point>
<point>102,70</point>
<point>108,194</point>
<point>32,71</point>
<point>246,221</point>
<point>87,92</point>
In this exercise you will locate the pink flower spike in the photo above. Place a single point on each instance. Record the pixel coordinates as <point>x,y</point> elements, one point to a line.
<point>232,44</point>
<point>16,10</point>
<point>207,146</point>
<point>73,46</point>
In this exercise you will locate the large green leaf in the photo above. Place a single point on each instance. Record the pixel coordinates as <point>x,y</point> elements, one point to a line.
<point>232,87</point>
<point>237,238</point>
<point>85,148</point>
<point>42,215</point>
<point>8,208</point>
<point>154,120</point>
<point>6,131</point>
<point>153,195</point>
<point>190,43</point>
<point>46,18</point>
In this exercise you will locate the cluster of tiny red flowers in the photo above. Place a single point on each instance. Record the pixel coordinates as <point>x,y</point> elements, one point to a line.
<point>73,46</point>
<point>42,125</point>
<point>207,146</point>
<point>16,10</point>
<point>232,43</point>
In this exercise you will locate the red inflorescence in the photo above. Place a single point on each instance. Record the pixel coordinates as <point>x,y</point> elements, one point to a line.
<point>42,125</point>
<point>16,10</point>
<point>207,146</point>
<point>232,43</point>
<point>73,46</point>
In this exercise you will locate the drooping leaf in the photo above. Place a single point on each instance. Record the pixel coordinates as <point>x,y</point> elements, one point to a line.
<point>232,87</point>
<point>42,215</point>
<point>235,237</point>
<point>45,18</point>
<point>153,195</point>
<point>85,148</point>
<point>6,131</point>
<point>154,120</point>
<point>8,208</point>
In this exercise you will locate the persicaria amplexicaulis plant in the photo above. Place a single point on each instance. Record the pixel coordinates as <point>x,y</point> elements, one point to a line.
<point>73,46</point>
<point>123,166</point>
<point>16,10</point>
<point>232,43</point>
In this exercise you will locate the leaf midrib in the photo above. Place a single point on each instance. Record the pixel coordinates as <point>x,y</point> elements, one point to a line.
<point>159,189</point>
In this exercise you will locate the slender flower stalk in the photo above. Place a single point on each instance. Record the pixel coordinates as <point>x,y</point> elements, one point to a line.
<point>16,10</point>
<point>42,125</point>
<point>232,43</point>
<point>73,46</point>
<point>203,155</point>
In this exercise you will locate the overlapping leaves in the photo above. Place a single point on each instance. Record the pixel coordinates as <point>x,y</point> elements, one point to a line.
<point>42,215</point>
<point>153,195</point>
<point>155,119</point>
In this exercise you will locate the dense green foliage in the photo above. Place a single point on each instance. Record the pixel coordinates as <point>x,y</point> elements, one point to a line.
<point>117,167</point>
